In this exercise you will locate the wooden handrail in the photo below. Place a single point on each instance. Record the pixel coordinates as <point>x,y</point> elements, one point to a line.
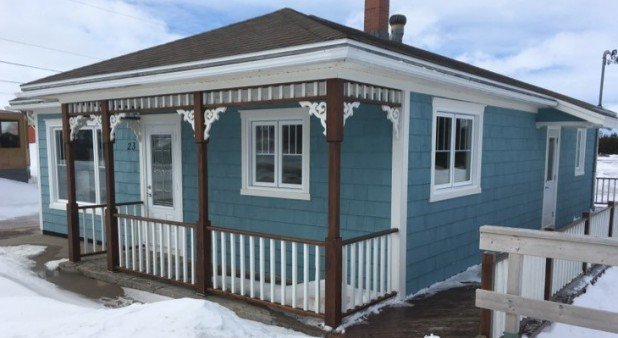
<point>155,220</point>
<point>369,236</point>
<point>598,211</point>
<point>90,206</point>
<point>571,225</point>
<point>269,236</point>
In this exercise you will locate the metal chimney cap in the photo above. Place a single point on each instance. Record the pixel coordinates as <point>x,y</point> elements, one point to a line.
<point>397,19</point>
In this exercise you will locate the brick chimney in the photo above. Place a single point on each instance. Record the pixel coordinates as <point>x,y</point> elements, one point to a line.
<point>376,17</point>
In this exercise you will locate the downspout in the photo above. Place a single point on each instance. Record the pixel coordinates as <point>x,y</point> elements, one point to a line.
<point>594,167</point>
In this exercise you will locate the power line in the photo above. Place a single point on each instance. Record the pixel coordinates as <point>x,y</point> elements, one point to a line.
<point>118,13</point>
<point>9,81</point>
<point>49,48</point>
<point>30,66</point>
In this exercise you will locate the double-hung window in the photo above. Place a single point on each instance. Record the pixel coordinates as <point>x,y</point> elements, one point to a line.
<point>275,153</point>
<point>456,149</point>
<point>580,151</point>
<point>89,165</point>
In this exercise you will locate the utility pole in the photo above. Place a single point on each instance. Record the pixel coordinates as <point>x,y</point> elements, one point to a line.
<point>608,59</point>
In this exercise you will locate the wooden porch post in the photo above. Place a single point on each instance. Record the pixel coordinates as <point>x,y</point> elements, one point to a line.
<point>72,216</point>
<point>111,222</point>
<point>203,271</point>
<point>586,216</point>
<point>488,263</point>
<point>333,242</point>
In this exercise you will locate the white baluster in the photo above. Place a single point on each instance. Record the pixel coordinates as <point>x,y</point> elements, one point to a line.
<point>126,245</point>
<point>215,260</point>
<point>353,259</point>
<point>154,249</point>
<point>103,229</point>
<point>344,282</point>
<point>223,262</point>
<point>367,290</point>
<point>168,242</point>
<point>273,270</point>
<point>177,257</point>
<point>242,265</point>
<point>161,252</point>
<point>383,264</point>
<point>283,267</point>
<point>94,230</point>
<point>83,227</point>
<point>233,263</point>
<point>139,245</point>
<point>374,288</point>
<point>305,276</point>
<point>251,266</point>
<point>185,272</point>
<point>193,257</point>
<point>294,272</point>
<point>120,243</point>
<point>147,228</point>
<point>262,272</point>
<point>317,279</point>
<point>132,244</point>
<point>361,271</point>
<point>389,263</point>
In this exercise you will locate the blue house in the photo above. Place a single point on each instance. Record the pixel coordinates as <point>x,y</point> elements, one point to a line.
<point>302,164</point>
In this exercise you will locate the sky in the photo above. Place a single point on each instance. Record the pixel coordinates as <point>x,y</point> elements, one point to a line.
<point>556,44</point>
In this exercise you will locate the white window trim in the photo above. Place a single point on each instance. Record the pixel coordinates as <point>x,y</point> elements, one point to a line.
<point>442,107</point>
<point>581,148</point>
<point>263,115</point>
<point>51,126</point>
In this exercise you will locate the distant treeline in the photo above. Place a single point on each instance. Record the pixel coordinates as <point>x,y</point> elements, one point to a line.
<point>608,144</point>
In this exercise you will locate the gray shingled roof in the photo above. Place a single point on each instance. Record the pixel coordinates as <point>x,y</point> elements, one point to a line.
<point>283,28</point>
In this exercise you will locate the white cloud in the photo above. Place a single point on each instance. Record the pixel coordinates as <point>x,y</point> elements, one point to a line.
<point>73,27</point>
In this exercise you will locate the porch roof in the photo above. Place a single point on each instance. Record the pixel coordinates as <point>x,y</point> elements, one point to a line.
<point>282,29</point>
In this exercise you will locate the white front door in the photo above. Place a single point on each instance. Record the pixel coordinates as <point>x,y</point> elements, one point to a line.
<point>162,166</point>
<point>552,164</point>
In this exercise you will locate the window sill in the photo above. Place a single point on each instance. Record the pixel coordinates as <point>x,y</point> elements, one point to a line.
<point>278,193</point>
<point>58,206</point>
<point>579,172</point>
<point>445,194</point>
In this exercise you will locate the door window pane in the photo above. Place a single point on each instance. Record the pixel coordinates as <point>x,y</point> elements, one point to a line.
<point>551,149</point>
<point>265,153</point>
<point>9,134</point>
<point>61,165</point>
<point>292,154</point>
<point>101,168</point>
<point>463,150</point>
<point>162,172</point>
<point>83,153</point>
<point>442,173</point>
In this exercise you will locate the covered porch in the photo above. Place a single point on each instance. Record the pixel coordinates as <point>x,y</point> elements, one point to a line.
<point>320,274</point>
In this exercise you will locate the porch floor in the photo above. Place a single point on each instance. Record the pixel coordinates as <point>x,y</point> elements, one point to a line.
<point>450,313</point>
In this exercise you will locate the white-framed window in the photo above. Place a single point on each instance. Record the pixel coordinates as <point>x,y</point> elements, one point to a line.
<point>580,151</point>
<point>457,145</point>
<point>89,165</point>
<point>275,153</point>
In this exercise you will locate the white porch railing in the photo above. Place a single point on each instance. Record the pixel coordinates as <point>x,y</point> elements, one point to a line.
<point>159,248</point>
<point>367,270</point>
<point>275,269</point>
<point>92,229</point>
<point>541,281</point>
<point>605,189</point>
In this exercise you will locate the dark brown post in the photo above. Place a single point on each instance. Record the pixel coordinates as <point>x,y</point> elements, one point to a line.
<point>203,270</point>
<point>586,216</point>
<point>549,273</point>
<point>111,222</point>
<point>333,242</point>
<point>612,214</point>
<point>487,283</point>
<point>72,216</point>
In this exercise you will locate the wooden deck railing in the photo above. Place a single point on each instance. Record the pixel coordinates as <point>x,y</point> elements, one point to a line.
<point>605,189</point>
<point>92,227</point>
<point>542,277</point>
<point>157,248</point>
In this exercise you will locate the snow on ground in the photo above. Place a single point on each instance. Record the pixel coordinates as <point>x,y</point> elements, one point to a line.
<point>17,199</point>
<point>32,307</point>
<point>144,296</point>
<point>34,160</point>
<point>471,275</point>
<point>607,166</point>
<point>601,296</point>
<point>53,265</point>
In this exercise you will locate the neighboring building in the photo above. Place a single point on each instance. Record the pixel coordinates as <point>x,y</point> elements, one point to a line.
<point>432,148</point>
<point>14,157</point>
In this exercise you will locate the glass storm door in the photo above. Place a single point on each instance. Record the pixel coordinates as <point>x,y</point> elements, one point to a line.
<point>162,175</point>
<point>552,152</point>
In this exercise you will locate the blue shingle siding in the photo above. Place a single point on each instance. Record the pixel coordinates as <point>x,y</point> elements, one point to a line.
<point>443,235</point>
<point>574,192</point>
<point>365,179</point>
<point>126,164</point>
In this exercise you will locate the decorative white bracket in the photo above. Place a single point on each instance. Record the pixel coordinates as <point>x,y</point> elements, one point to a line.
<point>210,116</point>
<point>31,118</point>
<point>348,109</point>
<point>114,121</point>
<point>97,119</point>
<point>317,109</point>
<point>392,114</point>
<point>75,124</point>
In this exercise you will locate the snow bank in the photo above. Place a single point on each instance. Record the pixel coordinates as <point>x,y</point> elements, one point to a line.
<point>17,199</point>
<point>33,307</point>
<point>471,275</point>
<point>601,296</point>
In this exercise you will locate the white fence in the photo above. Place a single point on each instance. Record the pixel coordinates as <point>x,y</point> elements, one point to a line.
<point>560,272</point>
<point>160,248</point>
<point>91,229</point>
<point>367,270</point>
<point>605,189</point>
<point>275,269</point>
